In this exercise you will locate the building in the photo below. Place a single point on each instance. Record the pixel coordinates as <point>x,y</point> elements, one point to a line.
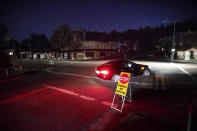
<point>92,50</point>
<point>187,46</point>
<point>187,54</point>
<point>89,50</point>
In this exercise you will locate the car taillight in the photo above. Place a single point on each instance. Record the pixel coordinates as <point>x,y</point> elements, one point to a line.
<point>97,72</point>
<point>105,72</point>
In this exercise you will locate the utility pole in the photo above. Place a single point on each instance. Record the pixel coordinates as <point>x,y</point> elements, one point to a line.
<point>84,44</point>
<point>173,40</point>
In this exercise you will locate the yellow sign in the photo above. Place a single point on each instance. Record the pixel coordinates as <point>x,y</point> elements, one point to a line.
<point>123,83</point>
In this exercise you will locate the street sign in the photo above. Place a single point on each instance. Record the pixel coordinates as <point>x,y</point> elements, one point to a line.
<point>121,91</point>
<point>123,83</point>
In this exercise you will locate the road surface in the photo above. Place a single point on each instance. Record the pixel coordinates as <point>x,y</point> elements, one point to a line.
<point>68,96</point>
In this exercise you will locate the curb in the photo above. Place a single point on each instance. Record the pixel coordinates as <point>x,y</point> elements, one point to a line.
<point>10,79</point>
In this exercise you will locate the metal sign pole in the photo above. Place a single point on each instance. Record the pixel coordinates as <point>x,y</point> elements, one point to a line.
<point>113,100</point>
<point>123,99</point>
<point>128,98</point>
<point>122,105</point>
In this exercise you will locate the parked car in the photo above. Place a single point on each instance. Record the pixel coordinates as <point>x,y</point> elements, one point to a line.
<point>111,70</point>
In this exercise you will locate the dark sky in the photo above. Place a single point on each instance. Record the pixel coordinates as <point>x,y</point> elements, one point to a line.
<point>25,17</point>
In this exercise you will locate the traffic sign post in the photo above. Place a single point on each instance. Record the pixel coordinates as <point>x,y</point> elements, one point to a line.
<point>121,90</point>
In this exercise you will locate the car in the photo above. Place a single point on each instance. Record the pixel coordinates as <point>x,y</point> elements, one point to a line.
<point>112,69</point>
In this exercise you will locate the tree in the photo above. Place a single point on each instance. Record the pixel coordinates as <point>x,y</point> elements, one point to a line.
<point>36,43</point>
<point>13,44</point>
<point>3,34</point>
<point>114,35</point>
<point>63,38</point>
<point>39,42</point>
<point>25,45</point>
<point>78,37</point>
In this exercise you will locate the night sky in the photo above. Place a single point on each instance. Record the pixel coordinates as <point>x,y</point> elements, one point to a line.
<point>25,17</point>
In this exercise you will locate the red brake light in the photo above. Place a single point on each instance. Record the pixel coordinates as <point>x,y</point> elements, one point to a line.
<point>97,72</point>
<point>105,72</point>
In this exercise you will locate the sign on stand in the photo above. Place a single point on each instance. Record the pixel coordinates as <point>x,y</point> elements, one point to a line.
<point>121,90</point>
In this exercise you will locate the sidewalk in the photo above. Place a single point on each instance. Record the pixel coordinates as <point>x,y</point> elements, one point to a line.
<point>9,79</point>
<point>165,60</point>
<point>185,61</point>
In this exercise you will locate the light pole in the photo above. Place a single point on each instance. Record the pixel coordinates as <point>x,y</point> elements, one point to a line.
<point>173,40</point>
<point>84,37</point>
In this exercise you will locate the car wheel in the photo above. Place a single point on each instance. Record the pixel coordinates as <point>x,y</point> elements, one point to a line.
<point>146,72</point>
<point>115,79</point>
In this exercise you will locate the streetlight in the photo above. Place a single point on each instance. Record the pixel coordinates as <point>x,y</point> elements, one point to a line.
<point>173,40</point>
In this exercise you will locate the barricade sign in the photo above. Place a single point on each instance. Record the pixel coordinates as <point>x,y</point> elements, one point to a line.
<point>123,83</point>
<point>121,90</point>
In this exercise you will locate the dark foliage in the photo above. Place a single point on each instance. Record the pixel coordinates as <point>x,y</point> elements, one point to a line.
<point>36,43</point>
<point>147,35</point>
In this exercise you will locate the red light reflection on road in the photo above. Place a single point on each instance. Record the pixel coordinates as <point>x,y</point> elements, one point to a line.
<point>91,93</point>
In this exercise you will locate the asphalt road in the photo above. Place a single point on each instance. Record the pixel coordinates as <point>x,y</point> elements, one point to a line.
<point>68,96</point>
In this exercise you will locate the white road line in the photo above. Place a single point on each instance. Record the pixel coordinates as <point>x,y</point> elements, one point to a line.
<point>70,93</point>
<point>61,90</point>
<point>88,98</point>
<point>64,73</point>
<point>184,71</point>
<point>106,103</point>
